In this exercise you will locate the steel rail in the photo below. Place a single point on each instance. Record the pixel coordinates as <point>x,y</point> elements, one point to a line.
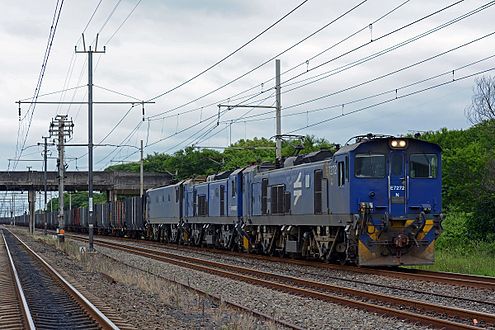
<point>443,278</point>
<point>253,276</point>
<point>468,280</point>
<point>26,313</point>
<point>102,320</point>
<point>221,300</point>
<point>476,281</point>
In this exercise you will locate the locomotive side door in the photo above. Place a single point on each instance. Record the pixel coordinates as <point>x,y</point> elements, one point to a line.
<point>397,184</point>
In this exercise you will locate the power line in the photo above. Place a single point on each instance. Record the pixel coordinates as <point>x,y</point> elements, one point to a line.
<point>30,112</point>
<point>394,91</point>
<point>224,58</point>
<point>265,91</point>
<point>109,16</point>
<point>379,38</point>
<point>416,21</point>
<point>304,39</point>
<point>233,98</point>
<point>73,60</point>
<point>299,42</point>
<point>232,53</point>
<point>123,22</point>
<point>265,62</point>
<point>387,74</point>
<point>345,67</point>
<point>394,99</point>
<point>124,141</point>
<point>96,66</point>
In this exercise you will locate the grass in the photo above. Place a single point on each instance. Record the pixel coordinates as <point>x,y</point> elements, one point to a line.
<point>476,258</point>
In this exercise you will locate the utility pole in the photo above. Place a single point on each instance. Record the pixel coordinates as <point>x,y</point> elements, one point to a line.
<point>45,158</point>
<point>90,144</point>
<point>13,208</point>
<point>90,53</point>
<point>61,127</point>
<point>278,106</point>
<point>141,172</point>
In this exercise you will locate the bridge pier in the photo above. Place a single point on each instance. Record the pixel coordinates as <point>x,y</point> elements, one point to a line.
<point>32,204</point>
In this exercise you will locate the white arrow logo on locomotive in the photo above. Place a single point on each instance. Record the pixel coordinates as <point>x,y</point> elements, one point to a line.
<point>297,189</point>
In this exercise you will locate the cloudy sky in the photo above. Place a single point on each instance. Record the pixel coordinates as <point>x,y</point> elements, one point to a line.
<point>163,44</point>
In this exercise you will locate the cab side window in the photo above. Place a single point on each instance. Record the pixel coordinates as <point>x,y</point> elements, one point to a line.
<point>423,166</point>
<point>341,173</point>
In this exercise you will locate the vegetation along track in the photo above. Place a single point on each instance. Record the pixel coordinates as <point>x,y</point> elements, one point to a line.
<point>53,302</point>
<point>413,310</point>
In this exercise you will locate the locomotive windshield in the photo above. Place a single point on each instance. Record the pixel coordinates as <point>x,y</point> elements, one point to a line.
<point>370,166</point>
<point>423,166</point>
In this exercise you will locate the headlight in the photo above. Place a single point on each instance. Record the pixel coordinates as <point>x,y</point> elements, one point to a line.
<point>398,143</point>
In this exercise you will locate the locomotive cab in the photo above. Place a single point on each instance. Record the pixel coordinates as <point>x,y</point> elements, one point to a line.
<point>393,189</point>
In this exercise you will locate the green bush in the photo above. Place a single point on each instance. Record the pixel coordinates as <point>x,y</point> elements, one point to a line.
<point>455,230</point>
<point>481,226</point>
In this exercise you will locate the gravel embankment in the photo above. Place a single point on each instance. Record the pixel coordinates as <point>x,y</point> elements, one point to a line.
<point>484,299</point>
<point>305,312</point>
<point>141,299</point>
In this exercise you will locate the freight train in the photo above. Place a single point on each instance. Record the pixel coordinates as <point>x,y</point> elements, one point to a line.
<point>374,202</point>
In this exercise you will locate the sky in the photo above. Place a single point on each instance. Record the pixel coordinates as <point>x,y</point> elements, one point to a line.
<point>156,46</point>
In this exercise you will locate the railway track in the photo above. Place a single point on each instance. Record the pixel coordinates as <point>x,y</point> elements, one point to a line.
<point>412,310</point>
<point>51,302</point>
<point>14,312</point>
<point>481,282</point>
<point>407,274</point>
<point>475,281</point>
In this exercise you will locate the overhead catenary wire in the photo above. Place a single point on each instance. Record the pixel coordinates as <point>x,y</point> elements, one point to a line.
<point>248,97</point>
<point>307,37</point>
<point>231,53</point>
<point>348,66</point>
<point>230,122</point>
<point>30,112</point>
<point>395,91</point>
<point>445,24</point>
<point>394,99</point>
<point>320,53</point>
<point>382,52</point>
<point>265,62</point>
<point>384,36</point>
<point>225,57</point>
<point>391,73</point>
<point>258,94</point>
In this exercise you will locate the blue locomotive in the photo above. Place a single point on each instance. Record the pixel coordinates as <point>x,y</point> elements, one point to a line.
<point>374,202</point>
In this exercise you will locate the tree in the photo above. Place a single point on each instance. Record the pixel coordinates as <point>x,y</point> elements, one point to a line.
<point>482,107</point>
<point>78,199</point>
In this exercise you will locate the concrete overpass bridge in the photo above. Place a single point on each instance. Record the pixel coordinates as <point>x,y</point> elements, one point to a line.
<point>114,183</point>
